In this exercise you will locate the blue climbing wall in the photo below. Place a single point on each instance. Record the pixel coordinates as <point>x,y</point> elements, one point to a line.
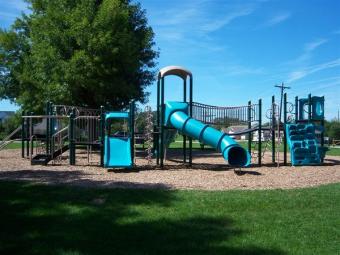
<point>303,144</point>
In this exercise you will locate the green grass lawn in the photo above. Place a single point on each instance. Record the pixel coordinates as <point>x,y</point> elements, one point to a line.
<point>14,145</point>
<point>38,219</point>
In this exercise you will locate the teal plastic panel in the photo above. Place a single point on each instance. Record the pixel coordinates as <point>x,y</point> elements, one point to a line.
<point>318,105</point>
<point>171,107</point>
<point>117,152</point>
<point>303,145</point>
<point>116,115</point>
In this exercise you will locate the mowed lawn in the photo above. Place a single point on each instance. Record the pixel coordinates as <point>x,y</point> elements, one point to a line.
<point>37,219</point>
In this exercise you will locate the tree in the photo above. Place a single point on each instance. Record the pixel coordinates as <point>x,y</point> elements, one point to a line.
<point>9,125</point>
<point>78,52</point>
<point>333,129</point>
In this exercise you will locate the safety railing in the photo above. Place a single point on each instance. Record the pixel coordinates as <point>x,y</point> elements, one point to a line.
<point>216,115</point>
<point>87,129</point>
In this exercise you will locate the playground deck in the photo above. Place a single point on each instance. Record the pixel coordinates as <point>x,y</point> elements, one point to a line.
<point>209,172</point>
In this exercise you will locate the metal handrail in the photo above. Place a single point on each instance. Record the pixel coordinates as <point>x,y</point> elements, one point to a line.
<point>44,116</point>
<point>87,117</point>
<point>60,131</point>
<point>10,135</point>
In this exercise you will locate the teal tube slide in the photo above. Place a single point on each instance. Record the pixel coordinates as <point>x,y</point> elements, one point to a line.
<point>176,116</point>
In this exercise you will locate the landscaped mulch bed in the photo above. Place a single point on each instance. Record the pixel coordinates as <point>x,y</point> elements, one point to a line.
<point>209,172</point>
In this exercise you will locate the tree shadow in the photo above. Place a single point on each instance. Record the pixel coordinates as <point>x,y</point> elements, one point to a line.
<point>241,172</point>
<point>331,162</point>
<point>67,220</point>
<point>76,178</point>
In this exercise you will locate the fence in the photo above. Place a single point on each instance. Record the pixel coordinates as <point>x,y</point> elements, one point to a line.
<point>217,115</point>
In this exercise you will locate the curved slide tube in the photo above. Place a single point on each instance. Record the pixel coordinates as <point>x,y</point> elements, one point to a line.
<point>231,151</point>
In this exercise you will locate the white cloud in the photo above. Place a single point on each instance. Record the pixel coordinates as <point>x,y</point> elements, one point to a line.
<point>314,44</point>
<point>7,15</point>
<point>279,18</point>
<point>175,17</point>
<point>308,50</point>
<point>218,23</point>
<point>18,5</point>
<point>299,74</point>
<point>243,70</point>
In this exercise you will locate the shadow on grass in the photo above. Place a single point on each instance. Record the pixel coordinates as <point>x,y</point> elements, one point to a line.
<point>77,178</point>
<point>67,220</point>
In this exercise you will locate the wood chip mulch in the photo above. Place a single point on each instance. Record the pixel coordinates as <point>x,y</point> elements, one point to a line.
<point>209,172</point>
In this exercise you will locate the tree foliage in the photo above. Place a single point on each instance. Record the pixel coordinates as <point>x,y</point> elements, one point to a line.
<point>77,52</point>
<point>332,129</point>
<point>9,125</point>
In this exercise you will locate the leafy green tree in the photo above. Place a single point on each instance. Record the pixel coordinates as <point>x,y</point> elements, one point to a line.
<point>78,52</point>
<point>9,124</point>
<point>333,129</point>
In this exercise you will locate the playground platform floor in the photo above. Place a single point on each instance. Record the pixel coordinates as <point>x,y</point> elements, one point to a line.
<point>209,172</point>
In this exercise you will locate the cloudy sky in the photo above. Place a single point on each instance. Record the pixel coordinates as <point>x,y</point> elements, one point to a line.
<point>238,50</point>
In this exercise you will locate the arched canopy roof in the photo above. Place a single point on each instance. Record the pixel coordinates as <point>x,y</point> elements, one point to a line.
<point>174,70</point>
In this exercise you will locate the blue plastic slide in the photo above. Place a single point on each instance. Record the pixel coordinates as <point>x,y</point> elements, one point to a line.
<point>117,152</point>
<point>176,116</point>
<point>117,149</point>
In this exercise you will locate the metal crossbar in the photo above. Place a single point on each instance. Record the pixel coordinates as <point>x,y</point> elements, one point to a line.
<point>66,110</point>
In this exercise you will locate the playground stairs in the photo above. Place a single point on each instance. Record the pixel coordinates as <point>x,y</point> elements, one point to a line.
<point>43,159</point>
<point>303,144</point>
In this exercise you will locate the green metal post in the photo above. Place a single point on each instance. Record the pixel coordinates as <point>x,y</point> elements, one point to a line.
<point>322,142</point>
<point>52,128</point>
<point>23,136</point>
<point>273,129</point>
<point>323,124</point>
<point>132,129</point>
<point>158,123</point>
<point>296,109</point>
<point>260,134</point>
<point>184,136</point>
<point>162,124</point>
<point>249,126</point>
<point>190,114</point>
<point>102,135</point>
<point>28,120</point>
<point>284,129</point>
<point>71,137</point>
<point>309,108</point>
<point>31,132</point>
<point>47,128</point>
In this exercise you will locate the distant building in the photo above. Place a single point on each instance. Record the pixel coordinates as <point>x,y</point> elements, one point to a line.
<point>5,114</point>
<point>236,130</point>
<point>265,135</point>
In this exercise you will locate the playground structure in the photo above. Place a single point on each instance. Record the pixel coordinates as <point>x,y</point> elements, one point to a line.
<point>179,116</point>
<point>305,136</point>
<point>63,128</point>
<point>118,145</point>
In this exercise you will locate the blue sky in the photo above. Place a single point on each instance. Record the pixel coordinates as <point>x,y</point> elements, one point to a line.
<point>238,50</point>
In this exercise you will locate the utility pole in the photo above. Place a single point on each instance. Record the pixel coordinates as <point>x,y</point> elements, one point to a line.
<point>282,87</point>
